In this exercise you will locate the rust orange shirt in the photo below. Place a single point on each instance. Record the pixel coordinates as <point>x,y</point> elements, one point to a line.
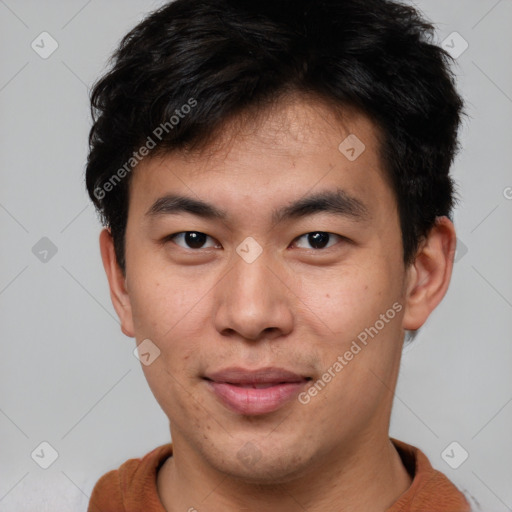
<point>132,487</point>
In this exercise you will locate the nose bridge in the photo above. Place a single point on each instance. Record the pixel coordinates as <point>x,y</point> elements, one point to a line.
<point>251,280</point>
<point>252,299</point>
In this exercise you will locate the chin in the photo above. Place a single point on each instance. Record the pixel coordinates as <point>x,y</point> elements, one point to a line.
<point>268,465</point>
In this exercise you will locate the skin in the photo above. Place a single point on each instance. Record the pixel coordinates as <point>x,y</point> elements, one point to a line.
<point>296,307</point>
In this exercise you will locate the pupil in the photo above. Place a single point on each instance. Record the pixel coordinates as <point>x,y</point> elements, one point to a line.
<point>195,239</point>
<point>318,240</point>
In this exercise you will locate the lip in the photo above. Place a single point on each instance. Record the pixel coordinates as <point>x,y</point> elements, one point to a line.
<point>253,392</point>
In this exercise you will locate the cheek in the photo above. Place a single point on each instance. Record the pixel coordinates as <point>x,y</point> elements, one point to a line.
<point>172,377</point>
<point>170,318</point>
<point>357,312</point>
<point>342,301</point>
<point>162,304</point>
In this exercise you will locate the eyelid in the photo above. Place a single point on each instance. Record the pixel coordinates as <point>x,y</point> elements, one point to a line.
<point>172,236</point>
<point>342,238</point>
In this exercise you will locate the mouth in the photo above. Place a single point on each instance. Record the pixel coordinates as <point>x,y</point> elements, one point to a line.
<point>254,392</point>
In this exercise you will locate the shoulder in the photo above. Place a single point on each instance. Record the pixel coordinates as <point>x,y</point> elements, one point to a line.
<point>430,488</point>
<point>133,482</point>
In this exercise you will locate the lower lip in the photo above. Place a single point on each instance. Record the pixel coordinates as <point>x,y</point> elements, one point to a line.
<point>244,400</point>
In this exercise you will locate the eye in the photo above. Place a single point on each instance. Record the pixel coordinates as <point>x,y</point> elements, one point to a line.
<point>192,239</point>
<point>319,239</point>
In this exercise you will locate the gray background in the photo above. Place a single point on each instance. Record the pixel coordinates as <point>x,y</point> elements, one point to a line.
<point>68,375</point>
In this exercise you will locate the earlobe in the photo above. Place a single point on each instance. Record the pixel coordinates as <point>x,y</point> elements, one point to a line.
<point>429,276</point>
<point>117,283</point>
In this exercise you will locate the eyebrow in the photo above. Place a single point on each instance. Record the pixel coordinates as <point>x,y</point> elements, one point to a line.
<point>337,202</point>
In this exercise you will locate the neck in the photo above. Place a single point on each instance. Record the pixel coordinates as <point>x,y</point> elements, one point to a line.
<point>369,478</point>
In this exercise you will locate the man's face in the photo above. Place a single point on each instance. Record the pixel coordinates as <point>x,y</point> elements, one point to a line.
<point>210,301</point>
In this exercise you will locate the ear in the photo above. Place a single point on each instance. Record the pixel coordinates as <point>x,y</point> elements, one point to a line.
<point>117,283</point>
<point>429,276</point>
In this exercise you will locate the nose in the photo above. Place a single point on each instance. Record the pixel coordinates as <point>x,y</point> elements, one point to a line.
<point>254,301</point>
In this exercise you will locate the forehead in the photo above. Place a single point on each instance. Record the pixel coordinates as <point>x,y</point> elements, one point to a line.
<point>297,147</point>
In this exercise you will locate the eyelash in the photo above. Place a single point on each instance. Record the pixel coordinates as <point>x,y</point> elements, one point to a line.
<point>170,238</point>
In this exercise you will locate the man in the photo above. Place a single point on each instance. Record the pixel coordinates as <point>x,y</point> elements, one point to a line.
<point>274,181</point>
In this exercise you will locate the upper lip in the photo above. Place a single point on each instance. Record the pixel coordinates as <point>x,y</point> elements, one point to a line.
<point>268,375</point>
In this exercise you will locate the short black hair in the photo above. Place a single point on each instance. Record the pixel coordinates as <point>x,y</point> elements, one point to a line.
<point>192,64</point>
